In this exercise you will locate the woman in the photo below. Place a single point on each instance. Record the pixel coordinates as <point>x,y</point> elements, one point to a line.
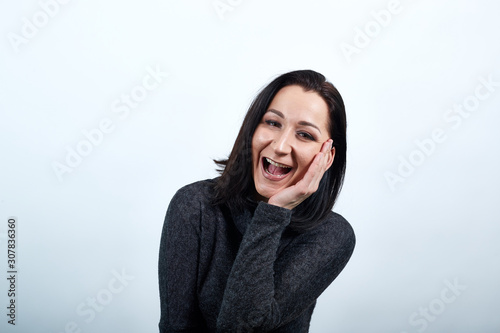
<point>251,250</point>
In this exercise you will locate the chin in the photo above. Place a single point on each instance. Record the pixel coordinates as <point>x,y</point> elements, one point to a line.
<point>265,192</point>
<point>262,194</point>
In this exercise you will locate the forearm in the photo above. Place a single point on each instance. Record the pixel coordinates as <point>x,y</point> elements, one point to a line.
<point>249,295</point>
<point>266,289</point>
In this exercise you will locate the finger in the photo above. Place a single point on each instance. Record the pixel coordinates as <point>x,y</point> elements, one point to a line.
<point>314,174</point>
<point>328,152</point>
<point>327,145</point>
<point>325,150</point>
<point>322,163</point>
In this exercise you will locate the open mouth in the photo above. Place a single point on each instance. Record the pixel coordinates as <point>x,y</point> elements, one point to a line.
<point>274,168</point>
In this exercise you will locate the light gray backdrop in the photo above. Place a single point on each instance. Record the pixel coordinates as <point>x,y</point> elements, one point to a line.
<point>108,107</point>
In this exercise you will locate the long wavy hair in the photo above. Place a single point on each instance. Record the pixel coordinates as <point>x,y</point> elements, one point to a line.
<point>235,187</point>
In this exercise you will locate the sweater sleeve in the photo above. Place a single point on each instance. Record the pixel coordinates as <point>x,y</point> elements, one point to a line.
<point>265,291</point>
<point>178,266</point>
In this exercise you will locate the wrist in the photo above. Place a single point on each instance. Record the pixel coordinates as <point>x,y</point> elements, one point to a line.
<point>272,212</point>
<point>278,204</point>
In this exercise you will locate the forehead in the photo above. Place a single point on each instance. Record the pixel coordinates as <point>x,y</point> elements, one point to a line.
<point>299,105</point>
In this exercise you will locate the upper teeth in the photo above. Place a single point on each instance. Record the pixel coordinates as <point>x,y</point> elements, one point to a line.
<point>277,164</point>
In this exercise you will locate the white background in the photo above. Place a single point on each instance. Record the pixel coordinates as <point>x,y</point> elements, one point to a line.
<point>436,226</point>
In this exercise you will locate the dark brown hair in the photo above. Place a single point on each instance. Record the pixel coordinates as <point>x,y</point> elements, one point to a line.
<point>235,187</point>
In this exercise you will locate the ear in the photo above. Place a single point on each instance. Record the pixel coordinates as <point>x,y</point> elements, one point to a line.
<point>331,157</point>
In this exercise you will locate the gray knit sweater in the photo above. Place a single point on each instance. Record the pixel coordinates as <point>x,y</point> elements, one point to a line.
<point>225,272</point>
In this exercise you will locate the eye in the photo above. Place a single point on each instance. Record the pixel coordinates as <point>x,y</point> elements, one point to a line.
<point>306,135</point>
<point>273,123</point>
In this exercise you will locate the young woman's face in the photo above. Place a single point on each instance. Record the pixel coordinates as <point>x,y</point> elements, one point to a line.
<point>286,140</point>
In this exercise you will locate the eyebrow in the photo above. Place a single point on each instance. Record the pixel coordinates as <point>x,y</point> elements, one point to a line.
<point>302,122</point>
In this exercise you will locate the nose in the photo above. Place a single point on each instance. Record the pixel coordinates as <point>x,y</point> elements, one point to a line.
<point>283,143</point>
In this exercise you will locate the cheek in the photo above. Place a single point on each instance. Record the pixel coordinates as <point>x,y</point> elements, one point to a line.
<point>305,158</point>
<point>259,140</point>
<point>256,146</point>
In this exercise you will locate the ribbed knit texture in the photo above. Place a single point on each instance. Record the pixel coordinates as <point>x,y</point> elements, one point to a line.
<point>225,272</point>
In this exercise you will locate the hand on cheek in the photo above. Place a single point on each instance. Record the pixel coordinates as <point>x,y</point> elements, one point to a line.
<point>292,196</point>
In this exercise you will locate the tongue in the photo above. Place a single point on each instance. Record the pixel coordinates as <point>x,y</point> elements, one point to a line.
<point>276,170</point>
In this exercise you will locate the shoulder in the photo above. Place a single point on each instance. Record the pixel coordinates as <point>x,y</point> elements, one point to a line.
<point>335,232</point>
<point>197,191</point>
<point>192,197</point>
<point>201,188</point>
<point>339,225</point>
<point>188,206</point>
